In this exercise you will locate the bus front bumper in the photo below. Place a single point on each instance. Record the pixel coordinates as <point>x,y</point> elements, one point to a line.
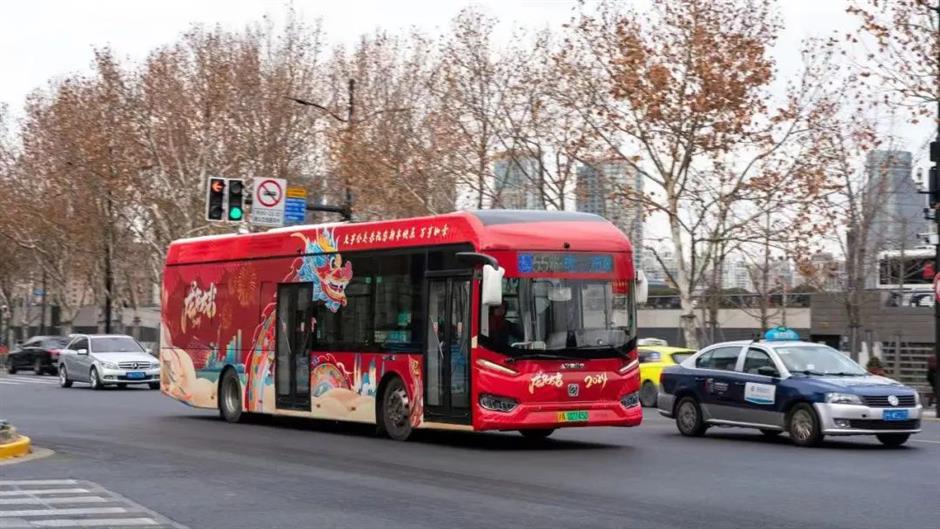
<point>559,415</point>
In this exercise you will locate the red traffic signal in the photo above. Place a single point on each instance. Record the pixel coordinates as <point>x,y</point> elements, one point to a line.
<point>215,199</point>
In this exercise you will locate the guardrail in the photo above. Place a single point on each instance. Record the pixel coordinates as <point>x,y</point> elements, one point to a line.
<point>732,301</point>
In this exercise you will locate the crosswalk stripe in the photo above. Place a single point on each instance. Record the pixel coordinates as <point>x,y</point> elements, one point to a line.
<point>52,501</point>
<point>29,380</point>
<point>68,503</point>
<point>20,482</point>
<point>40,492</point>
<point>95,522</point>
<point>55,512</point>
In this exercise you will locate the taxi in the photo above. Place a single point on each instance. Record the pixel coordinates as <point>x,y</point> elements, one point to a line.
<point>654,355</point>
<point>781,384</point>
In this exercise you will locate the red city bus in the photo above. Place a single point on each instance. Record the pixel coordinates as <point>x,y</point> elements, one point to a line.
<point>484,320</point>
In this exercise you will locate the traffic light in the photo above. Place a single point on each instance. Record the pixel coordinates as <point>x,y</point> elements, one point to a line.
<point>933,179</point>
<point>933,187</point>
<point>215,199</point>
<point>236,200</point>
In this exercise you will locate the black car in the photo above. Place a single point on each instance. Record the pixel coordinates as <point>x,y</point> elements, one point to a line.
<point>39,354</point>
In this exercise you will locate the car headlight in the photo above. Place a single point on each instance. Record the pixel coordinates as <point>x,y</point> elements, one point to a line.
<point>110,365</point>
<point>916,398</point>
<point>843,398</point>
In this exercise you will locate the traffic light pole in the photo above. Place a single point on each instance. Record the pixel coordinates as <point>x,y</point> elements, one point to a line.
<point>936,306</point>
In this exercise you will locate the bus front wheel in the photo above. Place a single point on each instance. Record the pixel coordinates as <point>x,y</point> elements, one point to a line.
<point>537,434</point>
<point>396,411</point>
<point>230,397</point>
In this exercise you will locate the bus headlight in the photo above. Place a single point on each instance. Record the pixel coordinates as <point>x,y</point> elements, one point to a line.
<point>495,403</point>
<point>630,400</point>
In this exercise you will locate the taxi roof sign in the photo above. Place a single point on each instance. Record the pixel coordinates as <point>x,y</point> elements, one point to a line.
<point>778,334</point>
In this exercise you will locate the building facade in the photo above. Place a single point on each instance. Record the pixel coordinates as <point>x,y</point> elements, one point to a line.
<point>613,189</point>
<point>898,214</point>
<point>515,185</point>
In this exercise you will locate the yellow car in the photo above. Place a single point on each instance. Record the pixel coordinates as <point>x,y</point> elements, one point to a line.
<point>653,358</point>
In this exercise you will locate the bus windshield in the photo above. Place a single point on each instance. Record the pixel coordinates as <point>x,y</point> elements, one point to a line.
<point>563,318</point>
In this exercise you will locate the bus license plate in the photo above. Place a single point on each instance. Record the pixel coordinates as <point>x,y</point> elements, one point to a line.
<point>136,375</point>
<point>572,416</point>
<point>895,415</point>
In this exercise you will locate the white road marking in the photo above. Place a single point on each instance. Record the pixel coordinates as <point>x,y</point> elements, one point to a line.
<point>925,441</point>
<point>23,383</point>
<point>53,501</point>
<point>103,522</point>
<point>39,482</point>
<point>41,492</point>
<point>71,503</point>
<point>32,380</point>
<point>50,512</point>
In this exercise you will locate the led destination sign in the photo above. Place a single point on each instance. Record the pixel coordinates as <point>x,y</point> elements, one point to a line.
<point>575,263</point>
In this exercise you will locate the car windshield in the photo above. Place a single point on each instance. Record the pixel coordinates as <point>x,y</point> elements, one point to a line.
<point>115,344</point>
<point>55,343</point>
<point>818,360</point>
<point>561,318</point>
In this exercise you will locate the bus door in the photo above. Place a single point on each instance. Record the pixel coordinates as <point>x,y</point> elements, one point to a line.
<point>295,317</point>
<point>447,359</point>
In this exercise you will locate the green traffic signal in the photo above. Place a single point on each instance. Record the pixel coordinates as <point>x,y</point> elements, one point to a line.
<point>236,200</point>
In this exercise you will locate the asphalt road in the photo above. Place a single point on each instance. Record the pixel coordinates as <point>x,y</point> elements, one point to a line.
<point>196,470</point>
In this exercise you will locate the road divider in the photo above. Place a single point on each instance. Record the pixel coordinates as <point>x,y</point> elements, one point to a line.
<point>13,444</point>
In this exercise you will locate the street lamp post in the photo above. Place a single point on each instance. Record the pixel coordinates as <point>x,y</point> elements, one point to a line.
<point>936,305</point>
<point>346,209</point>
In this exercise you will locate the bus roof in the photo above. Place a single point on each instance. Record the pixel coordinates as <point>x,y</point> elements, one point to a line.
<point>484,229</point>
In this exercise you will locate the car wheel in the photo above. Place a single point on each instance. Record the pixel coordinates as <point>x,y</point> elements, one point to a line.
<point>648,394</point>
<point>396,411</point>
<point>154,385</point>
<point>64,377</point>
<point>803,426</point>
<point>93,379</point>
<point>893,440</point>
<point>12,368</point>
<point>37,367</point>
<point>537,434</point>
<point>230,397</point>
<point>771,433</point>
<point>689,418</point>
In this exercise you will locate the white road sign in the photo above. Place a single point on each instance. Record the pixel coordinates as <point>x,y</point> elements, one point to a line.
<point>267,205</point>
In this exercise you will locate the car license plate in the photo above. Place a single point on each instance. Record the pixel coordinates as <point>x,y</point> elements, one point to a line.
<point>572,416</point>
<point>895,415</point>
<point>134,375</point>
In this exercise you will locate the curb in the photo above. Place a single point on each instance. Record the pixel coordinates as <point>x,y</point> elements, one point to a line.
<point>17,448</point>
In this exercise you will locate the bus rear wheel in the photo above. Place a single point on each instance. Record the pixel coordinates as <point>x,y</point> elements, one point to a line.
<point>396,411</point>
<point>230,397</point>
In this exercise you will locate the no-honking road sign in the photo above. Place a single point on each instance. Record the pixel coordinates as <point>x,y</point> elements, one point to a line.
<point>267,206</point>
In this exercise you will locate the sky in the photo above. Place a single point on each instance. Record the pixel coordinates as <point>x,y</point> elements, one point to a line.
<point>42,40</point>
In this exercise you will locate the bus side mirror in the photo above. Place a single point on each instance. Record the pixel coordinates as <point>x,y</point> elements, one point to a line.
<point>642,287</point>
<point>492,285</point>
